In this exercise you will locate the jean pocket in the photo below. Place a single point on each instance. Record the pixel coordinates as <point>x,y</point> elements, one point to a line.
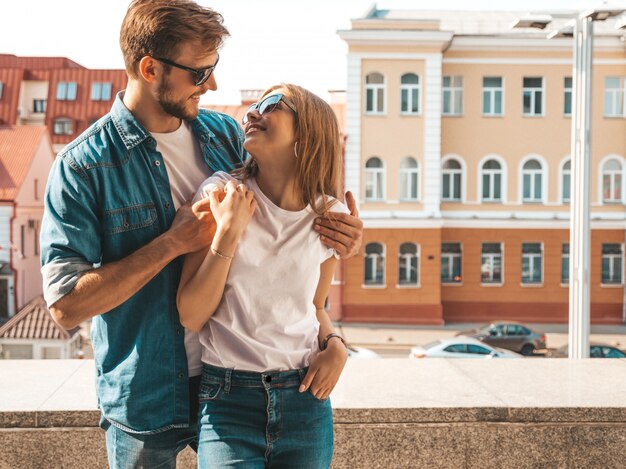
<point>209,390</point>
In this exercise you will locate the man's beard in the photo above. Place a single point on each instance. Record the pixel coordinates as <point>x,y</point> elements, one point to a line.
<point>173,108</point>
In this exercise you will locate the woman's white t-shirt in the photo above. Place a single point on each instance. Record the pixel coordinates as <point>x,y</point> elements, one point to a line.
<point>266,319</point>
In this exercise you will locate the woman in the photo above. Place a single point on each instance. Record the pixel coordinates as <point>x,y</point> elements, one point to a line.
<point>270,355</point>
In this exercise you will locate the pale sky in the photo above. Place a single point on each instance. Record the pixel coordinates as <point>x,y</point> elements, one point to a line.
<point>271,41</point>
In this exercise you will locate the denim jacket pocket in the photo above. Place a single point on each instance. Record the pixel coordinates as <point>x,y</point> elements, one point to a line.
<point>129,218</point>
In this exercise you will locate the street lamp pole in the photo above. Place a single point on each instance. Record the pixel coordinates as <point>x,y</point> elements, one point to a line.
<point>580,230</point>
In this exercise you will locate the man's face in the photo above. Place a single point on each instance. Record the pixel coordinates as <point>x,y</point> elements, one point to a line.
<point>177,94</point>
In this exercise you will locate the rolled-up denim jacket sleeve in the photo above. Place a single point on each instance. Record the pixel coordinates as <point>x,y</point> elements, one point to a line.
<point>70,239</point>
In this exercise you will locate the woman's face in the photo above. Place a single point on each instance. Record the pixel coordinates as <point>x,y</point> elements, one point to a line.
<point>271,134</point>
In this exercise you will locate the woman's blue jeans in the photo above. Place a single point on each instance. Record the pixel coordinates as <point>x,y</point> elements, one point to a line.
<point>260,420</point>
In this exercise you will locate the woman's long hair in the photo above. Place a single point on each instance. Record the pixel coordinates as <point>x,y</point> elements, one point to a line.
<point>318,164</point>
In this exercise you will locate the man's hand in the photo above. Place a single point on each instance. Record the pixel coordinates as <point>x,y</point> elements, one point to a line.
<point>344,233</point>
<point>193,227</point>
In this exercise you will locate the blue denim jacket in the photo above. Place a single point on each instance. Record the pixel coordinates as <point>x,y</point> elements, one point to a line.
<point>108,194</point>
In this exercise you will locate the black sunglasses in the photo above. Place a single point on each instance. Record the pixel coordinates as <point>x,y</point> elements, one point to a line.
<point>201,75</point>
<point>267,105</point>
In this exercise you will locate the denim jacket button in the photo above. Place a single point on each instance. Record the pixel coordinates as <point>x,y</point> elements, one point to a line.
<point>167,205</point>
<point>157,163</point>
<point>180,376</point>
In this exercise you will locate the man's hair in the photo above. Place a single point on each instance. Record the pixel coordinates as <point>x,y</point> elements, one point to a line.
<point>159,27</point>
<point>319,161</point>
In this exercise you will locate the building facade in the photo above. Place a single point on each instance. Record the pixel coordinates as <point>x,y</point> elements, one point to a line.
<point>459,152</point>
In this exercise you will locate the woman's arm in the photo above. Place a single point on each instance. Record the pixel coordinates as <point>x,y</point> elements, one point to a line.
<point>205,272</point>
<point>326,368</point>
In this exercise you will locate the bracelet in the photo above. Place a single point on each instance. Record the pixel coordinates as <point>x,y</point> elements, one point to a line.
<point>324,345</point>
<point>219,254</point>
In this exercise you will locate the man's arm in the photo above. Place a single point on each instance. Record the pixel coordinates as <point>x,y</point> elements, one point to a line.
<point>100,290</point>
<point>343,233</point>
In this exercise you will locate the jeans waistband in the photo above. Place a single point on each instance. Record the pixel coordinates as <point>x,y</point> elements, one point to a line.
<point>272,378</point>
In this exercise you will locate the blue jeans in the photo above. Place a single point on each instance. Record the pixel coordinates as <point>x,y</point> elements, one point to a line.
<point>127,450</point>
<point>260,420</point>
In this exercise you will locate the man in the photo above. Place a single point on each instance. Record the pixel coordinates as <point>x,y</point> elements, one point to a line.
<point>116,225</point>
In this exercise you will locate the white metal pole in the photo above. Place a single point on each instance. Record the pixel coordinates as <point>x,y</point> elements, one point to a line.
<point>580,233</point>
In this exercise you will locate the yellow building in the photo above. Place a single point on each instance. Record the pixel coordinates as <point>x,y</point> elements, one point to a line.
<point>458,151</point>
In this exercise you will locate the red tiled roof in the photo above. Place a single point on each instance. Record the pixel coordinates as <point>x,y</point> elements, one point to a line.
<point>34,322</point>
<point>18,146</point>
<point>13,61</point>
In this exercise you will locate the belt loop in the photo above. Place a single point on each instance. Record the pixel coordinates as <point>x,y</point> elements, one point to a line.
<point>227,380</point>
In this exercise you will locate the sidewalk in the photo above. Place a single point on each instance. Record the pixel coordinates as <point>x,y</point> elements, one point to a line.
<point>408,335</point>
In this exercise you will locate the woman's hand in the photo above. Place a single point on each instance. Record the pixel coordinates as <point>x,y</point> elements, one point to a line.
<point>232,209</point>
<point>325,370</point>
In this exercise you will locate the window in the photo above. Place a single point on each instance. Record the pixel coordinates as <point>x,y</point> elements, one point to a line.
<point>374,179</point>
<point>492,181</point>
<point>612,181</point>
<point>408,264</point>
<point>66,91</point>
<point>63,126</point>
<point>409,179</point>
<point>1,88</point>
<point>492,96</point>
<point>374,264</point>
<point>532,174</point>
<point>611,264</point>
<point>36,237</point>
<point>478,349</point>
<point>452,95</point>
<point>100,91</point>
<point>532,263</point>
<point>565,264</point>
<point>566,181</point>
<point>451,188</point>
<point>451,263</point>
<point>374,94</point>
<point>39,105</point>
<point>491,263</point>
<point>533,96</point>
<point>614,96</point>
<point>410,94</point>
<point>567,96</point>
<point>22,241</point>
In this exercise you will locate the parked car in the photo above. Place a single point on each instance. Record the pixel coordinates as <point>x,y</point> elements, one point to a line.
<point>596,350</point>
<point>509,335</point>
<point>355,351</point>
<point>460,347</point>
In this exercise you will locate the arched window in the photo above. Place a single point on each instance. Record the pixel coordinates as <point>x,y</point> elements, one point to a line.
<point>612,181</point>
<point>374,179</point>
<point>566,178</point>
<point>451,188</point>
<point>374,93</point>
<point>409,179</point>
<point>410,94</point>
<point>532,180</point>
<point>408,264</point>
<point>492,181</point>
<point>374,264</point>
<point>63,126</point>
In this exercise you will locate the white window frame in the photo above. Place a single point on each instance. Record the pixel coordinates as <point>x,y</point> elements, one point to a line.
<point>406,258</point>
<point>67,91</point>
<point>533,99</point>
<point>568,91</point>
<point>372,258</point>
<point>492,97</point>
<point>562,173</point>
<point>409,88</point>
<point>410,174</point>
<point>612,258</point>
<point>532,258</point>
<point>372,173</point>
<point>544,179</point>
<point>375,88</point>
<point>452,256</point>
<point>492,257</point>
<point>461,162</point>
<point>503,179</point>
<point>98,88</point>
<point>617,97</point>
<point>612,174</point>
<point>452,90</point>
<point>65,122</point>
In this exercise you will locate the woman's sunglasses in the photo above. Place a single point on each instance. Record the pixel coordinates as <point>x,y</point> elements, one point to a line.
<point>200,76</point>
<point>267,105</point>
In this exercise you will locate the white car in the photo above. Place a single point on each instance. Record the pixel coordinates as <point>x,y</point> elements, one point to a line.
<point>361,352</point>
<point>460,347</point>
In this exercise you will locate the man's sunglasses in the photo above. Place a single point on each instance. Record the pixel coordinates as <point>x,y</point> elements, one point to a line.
<point>200,75</point>
<point>267,105</point>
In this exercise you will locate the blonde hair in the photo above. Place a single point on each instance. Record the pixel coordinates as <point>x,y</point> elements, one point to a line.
<point>159,27</point>
<point>318,166</point>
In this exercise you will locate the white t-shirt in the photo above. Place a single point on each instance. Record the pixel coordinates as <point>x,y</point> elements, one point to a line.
<point>266,319</point>
<point>186,170</point>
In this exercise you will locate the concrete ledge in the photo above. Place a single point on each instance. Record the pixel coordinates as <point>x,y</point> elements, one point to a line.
<point>388,413</point>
